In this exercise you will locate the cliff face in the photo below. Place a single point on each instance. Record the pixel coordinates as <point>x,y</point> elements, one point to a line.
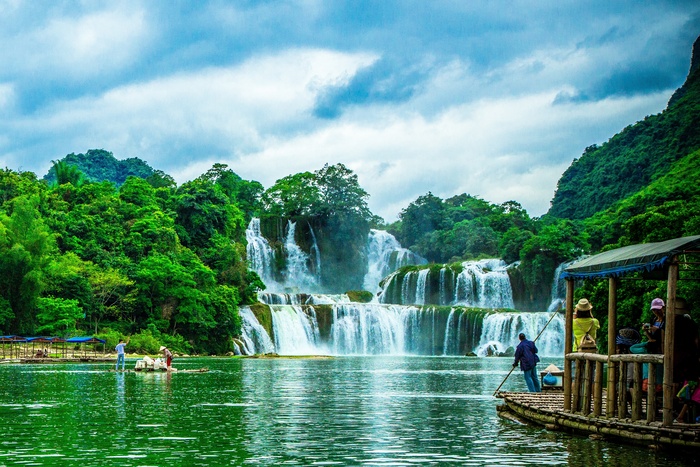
<point>693,75</point>
<point>635,157</point>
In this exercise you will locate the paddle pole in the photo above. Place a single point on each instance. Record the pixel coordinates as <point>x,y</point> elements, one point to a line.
<point>538,336</point>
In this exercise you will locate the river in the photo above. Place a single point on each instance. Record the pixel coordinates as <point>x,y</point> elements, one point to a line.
<point>396,410</point>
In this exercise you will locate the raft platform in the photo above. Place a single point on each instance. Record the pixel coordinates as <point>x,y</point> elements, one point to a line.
<point>547,409</point>
<point>604,394</point>
<point>160,370</point>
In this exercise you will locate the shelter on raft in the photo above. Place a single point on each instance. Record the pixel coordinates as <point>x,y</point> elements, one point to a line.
<point>590,404</point>
<point>44,349</point>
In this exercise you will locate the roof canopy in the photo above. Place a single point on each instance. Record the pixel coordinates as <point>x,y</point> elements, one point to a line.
<point>86,340</point>
<point>634,258</point>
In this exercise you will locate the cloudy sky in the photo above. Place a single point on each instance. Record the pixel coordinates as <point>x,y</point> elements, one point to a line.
<point>490,98</point>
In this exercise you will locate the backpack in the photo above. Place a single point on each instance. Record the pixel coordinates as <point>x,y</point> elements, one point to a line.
<point>587,343</point>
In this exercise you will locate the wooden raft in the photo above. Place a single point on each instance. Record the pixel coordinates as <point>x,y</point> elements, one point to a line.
<point>547,409</point>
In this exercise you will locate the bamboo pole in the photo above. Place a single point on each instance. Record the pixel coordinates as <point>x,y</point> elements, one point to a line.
<point>588,387</point>
<point>637,392</point>
<point>612,331</point>
<point>651,393</point>
<point>642,358</point>
<point>669,332</point>
<point>622,403</point>
<point>568,327</point>
<point>598,389</point>
<point>578,382</point>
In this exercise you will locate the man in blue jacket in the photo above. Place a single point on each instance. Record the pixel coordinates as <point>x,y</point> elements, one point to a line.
<point>526,354</point>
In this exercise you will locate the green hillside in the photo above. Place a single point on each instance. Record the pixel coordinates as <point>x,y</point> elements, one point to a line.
<point>98,165</point>
<point>667,208</point>
<point>634,158</point>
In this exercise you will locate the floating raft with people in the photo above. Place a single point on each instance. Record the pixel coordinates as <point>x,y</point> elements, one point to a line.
<point>611,408</point>
<point>162,370</point>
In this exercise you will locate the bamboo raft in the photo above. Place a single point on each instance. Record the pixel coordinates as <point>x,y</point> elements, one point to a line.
<point>599,398</point>
<point>547,409</point>
<point>161,370</point>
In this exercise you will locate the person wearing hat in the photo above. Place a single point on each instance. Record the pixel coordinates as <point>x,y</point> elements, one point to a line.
<point>584,322</point>
<point>654,330</point>
<point>168,355</point>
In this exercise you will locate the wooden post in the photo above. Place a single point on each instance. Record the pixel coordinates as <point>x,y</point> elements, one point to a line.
<point>651,393</point>
<point>637,392</point>
<point>587,386</point>
<point>622,404</point>
<point>578,383</point>
<point>612,348</point>
<point>598,389</point>
<point>669,332</point>
<point>568,338</point>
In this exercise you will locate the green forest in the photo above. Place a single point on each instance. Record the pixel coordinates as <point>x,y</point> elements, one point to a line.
<point>116,248</point>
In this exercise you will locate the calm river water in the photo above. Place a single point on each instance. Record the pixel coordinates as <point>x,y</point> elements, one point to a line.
<point>336,411</point>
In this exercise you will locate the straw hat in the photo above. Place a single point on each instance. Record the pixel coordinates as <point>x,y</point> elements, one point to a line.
<point>583,305</point>
<point>627,337</point>
<point>162,347</point>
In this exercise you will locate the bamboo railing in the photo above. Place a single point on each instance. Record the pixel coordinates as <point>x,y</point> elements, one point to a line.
<point>586,390</point>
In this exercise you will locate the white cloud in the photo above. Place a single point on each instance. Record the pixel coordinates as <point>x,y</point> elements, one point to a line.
<point>77,48</point>
<point>509,148</point>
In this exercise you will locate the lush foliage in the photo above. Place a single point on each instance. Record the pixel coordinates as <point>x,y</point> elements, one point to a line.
<point>633,158</point>
<point>98,165</point>
<point>332,202</point>
<point>158,262</point>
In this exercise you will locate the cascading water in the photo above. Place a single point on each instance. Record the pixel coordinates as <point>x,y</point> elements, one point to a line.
<point>378,329</point>
<point>483,284</point>
<point>385,255</point>
<point>298,274</point>
<point>260,254</point>
<point>558,295</point>
<point>403,321</point>
<point>501,332</point>
<point>255,338</point>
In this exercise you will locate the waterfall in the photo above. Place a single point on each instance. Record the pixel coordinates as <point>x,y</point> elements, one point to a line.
<point>422,286</point>
<point>385,255</point>
<point>483,284</point>
<point>558,295</point>
<point>317,253</point>
<point>296,332</point>
<point>379,329</point>
<point>256,339</point>
<point>297,273</point>
<point>260,255</point>
<point>371,329</point>
<point>500,331</point>
<point>403,319</point>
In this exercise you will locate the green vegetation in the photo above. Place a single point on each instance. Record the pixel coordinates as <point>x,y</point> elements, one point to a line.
<point>360,296</point>
<point>332,203</point>
<point>116,248</point>
<point>161,263</point>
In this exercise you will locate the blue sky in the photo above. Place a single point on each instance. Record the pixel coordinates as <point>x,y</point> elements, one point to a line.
<point>490,98</point>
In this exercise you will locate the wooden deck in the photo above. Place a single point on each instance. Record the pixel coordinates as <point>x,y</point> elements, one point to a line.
<point>547,409</point>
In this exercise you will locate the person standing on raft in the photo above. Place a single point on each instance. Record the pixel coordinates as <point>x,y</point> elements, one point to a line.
<point>120,354</point>
<point>526,354</point>
<point>168,356</point>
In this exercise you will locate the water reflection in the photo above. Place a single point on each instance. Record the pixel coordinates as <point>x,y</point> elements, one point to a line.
<point>342,411</point>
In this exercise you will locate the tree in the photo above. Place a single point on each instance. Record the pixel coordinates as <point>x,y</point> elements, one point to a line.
<point>291,196</point>
<point>26,246</point>
<point>424,215</point>
<point>67,173</point>
<point>57,316</point>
